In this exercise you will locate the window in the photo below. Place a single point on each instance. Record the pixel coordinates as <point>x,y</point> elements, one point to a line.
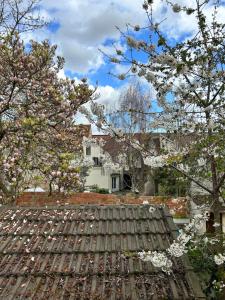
<point>88,150</point>
<point>210,223</point>
<point>97,162</point>
<point>113,182</point>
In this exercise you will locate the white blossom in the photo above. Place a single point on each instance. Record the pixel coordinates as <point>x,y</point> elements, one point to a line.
<point>152,209</point>
<point>176,8</point>
<point>156,161</point>
<point>158,259</point>
<point>177,249</point>
<point>219,259</point>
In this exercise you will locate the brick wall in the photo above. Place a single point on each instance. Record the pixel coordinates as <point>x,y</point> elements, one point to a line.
<point>177,206</point>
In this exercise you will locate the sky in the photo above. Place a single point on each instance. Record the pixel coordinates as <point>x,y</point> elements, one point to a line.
<point>81,27</point>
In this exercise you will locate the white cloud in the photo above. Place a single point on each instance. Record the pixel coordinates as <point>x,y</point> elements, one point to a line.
<point>108,96</point>
<point>176,25</point>
<point>86,25</point>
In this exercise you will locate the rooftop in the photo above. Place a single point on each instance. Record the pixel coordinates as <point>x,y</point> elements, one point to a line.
<point>89,252</point>
<point>114,146</point>
<point>178,206</point>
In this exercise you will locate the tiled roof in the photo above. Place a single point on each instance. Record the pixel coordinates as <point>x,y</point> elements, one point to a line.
<point>178,206</point>
<point>114,146</point>
<point>88,252</point>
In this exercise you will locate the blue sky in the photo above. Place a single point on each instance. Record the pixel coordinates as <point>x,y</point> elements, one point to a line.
<point>80,28</point>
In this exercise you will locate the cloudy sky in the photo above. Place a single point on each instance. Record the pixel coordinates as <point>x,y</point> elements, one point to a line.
<point>81,27</point>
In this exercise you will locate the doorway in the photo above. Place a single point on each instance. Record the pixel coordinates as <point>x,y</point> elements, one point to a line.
<point>127,182</point>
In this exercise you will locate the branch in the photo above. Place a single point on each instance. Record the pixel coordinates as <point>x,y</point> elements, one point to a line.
<point>221,181</point>
<point>191,178</point>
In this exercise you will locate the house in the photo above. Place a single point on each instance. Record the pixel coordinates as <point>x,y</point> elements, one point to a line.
<point>135,173</point>
<point>89,252</point>
<point>119,177</point>
<point>99,175</point>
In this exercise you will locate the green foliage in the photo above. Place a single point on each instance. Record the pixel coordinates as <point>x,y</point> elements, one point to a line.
<point>201,261</point>
<point>96,189</point>
<point>103,191</point>
<point>170,182</point>
<point>211,275</point>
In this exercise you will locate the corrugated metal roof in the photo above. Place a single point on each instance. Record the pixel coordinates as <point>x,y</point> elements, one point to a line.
<point>88,252</point>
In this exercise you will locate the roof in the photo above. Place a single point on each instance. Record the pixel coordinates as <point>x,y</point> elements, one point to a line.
<point>85,129</point>
<point>150,139</point>
<point>114,146</point>
<point>178,206</point>
<point>88,252</point>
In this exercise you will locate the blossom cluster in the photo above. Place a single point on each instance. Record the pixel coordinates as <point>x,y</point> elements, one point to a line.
<point>219,259</point>
<point>179,246</point>
<point>156,161</point>
<point>158,259</point>
<point>36,115</point>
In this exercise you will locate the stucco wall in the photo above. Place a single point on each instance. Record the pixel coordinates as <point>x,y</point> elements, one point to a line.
<point>99,175</point>
<point>96,151</point>
<point>96,176</point>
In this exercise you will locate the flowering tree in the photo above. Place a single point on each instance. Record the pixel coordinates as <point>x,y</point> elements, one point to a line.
<point>37,129</point>
<point>38,136</point>
<point>188,79</point>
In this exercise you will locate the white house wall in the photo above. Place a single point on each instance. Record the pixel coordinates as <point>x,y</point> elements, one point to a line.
<point>99,175</point>
<point>96,177</point>
<point>96,151</point>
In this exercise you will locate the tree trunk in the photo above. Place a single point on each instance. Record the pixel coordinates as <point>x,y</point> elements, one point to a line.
<point>216,208</point>
<point>50,188</point>
<point>7,194</point>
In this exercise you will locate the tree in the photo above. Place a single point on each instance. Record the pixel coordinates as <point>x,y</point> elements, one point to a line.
<point>38,136</point>
<point>188,77</point>
<point>128,116</point>
<point>19,16</point>
<point>170,182</point>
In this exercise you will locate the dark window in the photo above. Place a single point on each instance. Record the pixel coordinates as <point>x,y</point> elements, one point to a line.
<point>127,183</point>
<point>97,162</point>
<point>157,144</point>
<point>88,150</point>
<point>113,182</point>
<point>209,223</point>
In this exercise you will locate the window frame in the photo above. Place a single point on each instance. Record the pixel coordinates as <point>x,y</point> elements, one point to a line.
<point>114,182</point>
<point>88,150</point>
<point>97,162</point>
